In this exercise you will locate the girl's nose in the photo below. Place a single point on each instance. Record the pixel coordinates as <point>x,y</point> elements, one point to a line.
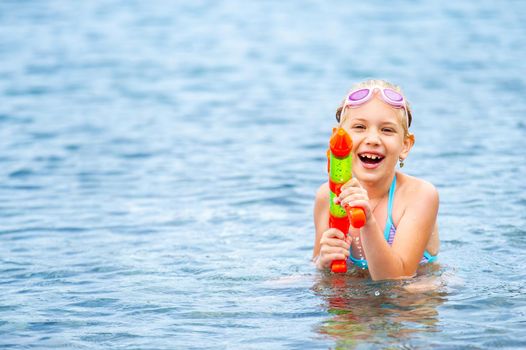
<point>372,138</point>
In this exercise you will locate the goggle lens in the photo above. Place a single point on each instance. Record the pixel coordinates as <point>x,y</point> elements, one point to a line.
<point>359,95</point>
<point>393,95</point>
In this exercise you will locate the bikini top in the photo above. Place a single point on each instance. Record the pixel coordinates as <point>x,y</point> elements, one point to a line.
<point>389,233</point>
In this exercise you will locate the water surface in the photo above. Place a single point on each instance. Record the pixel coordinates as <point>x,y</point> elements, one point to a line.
<point>158,163</point>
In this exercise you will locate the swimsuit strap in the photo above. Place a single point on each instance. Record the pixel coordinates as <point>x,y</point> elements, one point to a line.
<point>389,221</point>
<point>428,258</point>
<point>362,263</point>
<point>391,197</point>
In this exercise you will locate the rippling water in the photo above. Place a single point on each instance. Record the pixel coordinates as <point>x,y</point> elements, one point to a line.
<point>158,162</point>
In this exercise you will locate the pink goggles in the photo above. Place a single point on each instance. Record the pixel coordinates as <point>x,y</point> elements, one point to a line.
<point>359,97</point>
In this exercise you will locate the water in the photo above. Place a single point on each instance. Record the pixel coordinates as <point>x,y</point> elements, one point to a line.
<point>158,162</point>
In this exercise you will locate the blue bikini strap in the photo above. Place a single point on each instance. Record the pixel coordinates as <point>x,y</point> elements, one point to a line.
<point>389,221</point>
<point>391,197</point>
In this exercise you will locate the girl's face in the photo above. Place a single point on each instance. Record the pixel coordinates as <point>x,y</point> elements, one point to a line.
<point>378,139</point>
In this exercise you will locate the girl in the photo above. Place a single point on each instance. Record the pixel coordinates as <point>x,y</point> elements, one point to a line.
<point>401,211</point>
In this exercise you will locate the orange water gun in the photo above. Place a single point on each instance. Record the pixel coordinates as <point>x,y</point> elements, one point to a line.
<point>340,171</point>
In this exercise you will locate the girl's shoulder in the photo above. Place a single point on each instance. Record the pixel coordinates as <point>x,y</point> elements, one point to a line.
<point>411,187</point>
<point>322,194</point>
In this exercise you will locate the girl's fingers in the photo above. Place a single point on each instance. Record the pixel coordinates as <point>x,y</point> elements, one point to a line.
<point>362,203</point>
<point>327,250</point>
<point>326,260</point>
<point>352,192</point>
<point>351,183</point>
<point>352,189</point>
<point>354,202</point>
<point>346,197</point>
<point>333,233</point>
<point>335,243</point>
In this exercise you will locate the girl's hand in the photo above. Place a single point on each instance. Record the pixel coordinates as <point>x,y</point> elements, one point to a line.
<point>354,195</point>
<point>333,246</point>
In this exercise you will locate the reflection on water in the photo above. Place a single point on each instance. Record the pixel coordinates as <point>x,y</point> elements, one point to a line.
<point>159,159</point>
<point>363,311</point>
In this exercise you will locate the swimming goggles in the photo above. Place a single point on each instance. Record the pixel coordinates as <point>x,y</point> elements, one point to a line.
<point>359,97</point>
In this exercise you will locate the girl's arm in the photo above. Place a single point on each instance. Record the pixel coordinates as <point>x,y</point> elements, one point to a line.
<point>321,216</point>
<point>412,235</point>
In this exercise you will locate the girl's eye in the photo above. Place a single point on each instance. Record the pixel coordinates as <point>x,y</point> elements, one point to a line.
<point>358,126</point>
<point>388,130</point>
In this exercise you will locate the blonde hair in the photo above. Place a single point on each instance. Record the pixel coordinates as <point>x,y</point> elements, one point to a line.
<point>383,84</point>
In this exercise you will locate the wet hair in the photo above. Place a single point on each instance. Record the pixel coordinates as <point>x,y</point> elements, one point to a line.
<point>383,84</point>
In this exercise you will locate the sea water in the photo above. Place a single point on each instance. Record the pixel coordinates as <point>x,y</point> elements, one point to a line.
<point>159,160</point>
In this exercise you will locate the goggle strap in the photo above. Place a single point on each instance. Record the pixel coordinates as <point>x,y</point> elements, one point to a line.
<point>370,92</point>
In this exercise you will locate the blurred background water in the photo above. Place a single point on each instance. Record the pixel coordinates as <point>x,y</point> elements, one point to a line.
<point>158,163</point>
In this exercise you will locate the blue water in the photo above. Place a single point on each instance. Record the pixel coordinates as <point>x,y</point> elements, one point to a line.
<point>159,159</point>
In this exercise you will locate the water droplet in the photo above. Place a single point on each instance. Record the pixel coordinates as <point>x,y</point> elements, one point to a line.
<point>377,293</point>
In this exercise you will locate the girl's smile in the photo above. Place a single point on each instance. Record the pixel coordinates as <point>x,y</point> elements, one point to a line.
<point>370,159</point>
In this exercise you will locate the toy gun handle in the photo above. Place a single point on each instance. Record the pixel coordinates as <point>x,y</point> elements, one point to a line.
<point>339,266</point>
<point>356,217</point>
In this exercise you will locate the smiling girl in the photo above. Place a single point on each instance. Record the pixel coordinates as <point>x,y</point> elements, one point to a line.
<point>401,211</point>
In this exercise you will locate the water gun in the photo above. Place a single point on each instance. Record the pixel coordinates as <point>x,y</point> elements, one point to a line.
<point>340,171</point>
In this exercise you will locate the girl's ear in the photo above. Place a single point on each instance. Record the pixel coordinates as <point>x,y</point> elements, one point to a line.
<point>409,141</point>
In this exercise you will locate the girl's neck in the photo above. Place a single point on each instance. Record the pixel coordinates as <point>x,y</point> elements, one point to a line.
<point>378,189</point>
